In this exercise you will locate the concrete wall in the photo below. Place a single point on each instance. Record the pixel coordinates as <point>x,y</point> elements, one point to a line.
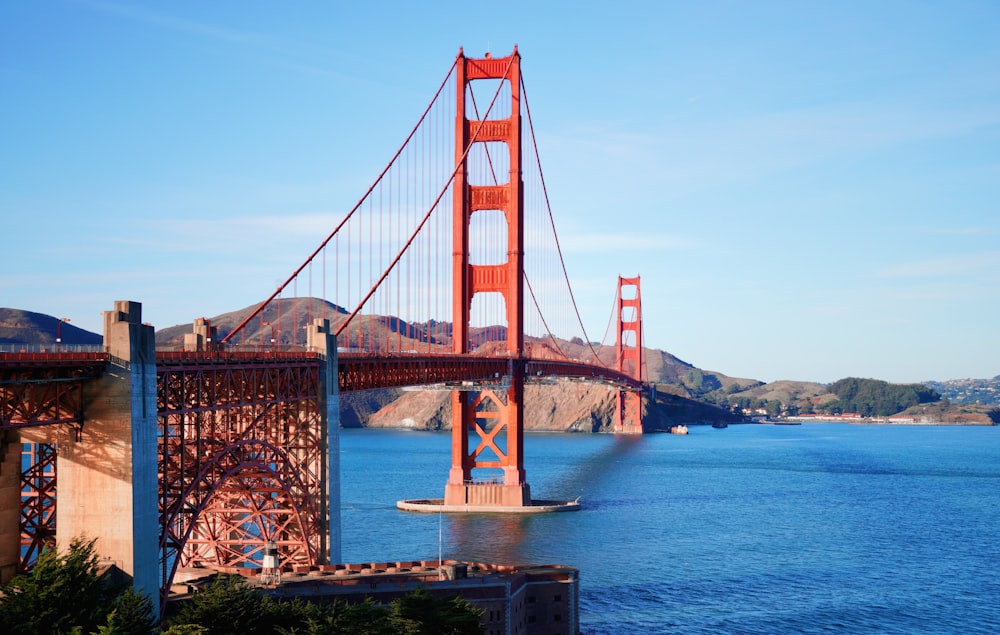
<point>10,505</point>
<point>107,483</point>
<point>321,340</point>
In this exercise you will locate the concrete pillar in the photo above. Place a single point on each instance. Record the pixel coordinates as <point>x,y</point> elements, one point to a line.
<point>203,338</point>
<point>10,504</point>
<point>108,478</point>
<point>320,339</point>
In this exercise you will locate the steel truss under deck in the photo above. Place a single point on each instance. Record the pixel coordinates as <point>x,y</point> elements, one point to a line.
<point>242,461</point>
<point>38,501</point>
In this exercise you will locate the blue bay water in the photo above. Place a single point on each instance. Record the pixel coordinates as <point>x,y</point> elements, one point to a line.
<point>819,528</point>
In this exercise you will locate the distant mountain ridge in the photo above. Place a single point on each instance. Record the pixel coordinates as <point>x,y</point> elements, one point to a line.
<point>685,393</point>
<point>27,328</point>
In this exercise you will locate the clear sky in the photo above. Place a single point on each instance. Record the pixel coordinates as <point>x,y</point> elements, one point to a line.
<point>810,190</point>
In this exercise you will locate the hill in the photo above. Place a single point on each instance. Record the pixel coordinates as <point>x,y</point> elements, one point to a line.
<point>565,407</point>
<point>969,391</point>
<point>684,393</point>
<point>37,330</point>
<point>288,319</point>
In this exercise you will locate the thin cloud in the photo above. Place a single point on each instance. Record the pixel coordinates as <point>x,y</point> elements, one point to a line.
<point>965,265</point>
<point>189,27</point>
<point>955,231</point>
<point>591,243</point>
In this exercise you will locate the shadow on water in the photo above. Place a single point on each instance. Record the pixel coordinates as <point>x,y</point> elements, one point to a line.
<point>513,539</point>
<point>581,479</point>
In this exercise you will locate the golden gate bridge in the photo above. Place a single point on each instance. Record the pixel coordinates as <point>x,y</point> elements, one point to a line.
<point>447,272</point>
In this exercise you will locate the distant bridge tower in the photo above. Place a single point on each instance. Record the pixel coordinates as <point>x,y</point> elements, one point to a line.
<point>629,355</point>
<point>496,419</point>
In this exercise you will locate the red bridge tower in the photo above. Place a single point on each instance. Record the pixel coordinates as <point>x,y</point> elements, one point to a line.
<point>629,355</point>
<point>497,420</point>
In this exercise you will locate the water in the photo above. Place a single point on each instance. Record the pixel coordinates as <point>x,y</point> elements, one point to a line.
<point>820,528</point>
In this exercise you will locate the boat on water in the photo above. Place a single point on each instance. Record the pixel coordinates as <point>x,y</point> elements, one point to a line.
<point>680,429</point>
<point>720,424</point>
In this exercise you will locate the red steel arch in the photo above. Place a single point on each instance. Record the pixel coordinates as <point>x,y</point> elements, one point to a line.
<point>248,493</point>
<point>242,459</point>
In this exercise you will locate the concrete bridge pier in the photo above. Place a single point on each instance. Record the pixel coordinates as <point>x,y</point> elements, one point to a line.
<point>107,488</point>
<point>320,339</point>
<point>10,504</point>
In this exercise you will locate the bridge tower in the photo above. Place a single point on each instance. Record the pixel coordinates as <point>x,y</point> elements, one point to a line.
<point>489,413</point>
<point>629,355</point>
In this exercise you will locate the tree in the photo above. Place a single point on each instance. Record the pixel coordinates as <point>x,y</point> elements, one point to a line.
<point>420,613</point>
<point>185,629</point>
<point>773,408</point>
<point>230,605</point>
<point>131,614</point>
<point>62,594</point>
<point>872,397</point>
<point>340,618</point>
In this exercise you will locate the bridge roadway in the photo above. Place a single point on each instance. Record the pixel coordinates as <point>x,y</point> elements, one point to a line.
<point>56,374</point>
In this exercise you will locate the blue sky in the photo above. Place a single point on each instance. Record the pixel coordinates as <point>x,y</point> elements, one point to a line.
<point>810,190</point>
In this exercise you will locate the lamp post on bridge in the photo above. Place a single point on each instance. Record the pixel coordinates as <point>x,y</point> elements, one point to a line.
<point>59,333</point>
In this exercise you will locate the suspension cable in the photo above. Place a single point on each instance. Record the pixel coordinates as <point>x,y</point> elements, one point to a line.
<point>423,221</point>
<point>548,206</point>
<point>351,213</point>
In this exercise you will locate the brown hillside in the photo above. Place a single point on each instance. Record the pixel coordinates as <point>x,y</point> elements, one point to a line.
<point>563,407</point>
<point>785,391</point>
<point>37,329</point>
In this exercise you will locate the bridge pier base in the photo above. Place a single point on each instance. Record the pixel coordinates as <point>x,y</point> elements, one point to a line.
<point>487,495</point>
<point>108,471</point>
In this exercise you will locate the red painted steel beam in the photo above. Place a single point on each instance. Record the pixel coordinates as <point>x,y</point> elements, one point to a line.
<point>38,502</point>
<point>577,370</point>
<point>39,389</point>
<point>365,372</point>
<point>241,459</point>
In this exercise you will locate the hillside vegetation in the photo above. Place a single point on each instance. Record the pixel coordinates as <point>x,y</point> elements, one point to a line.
<point>876,398</point>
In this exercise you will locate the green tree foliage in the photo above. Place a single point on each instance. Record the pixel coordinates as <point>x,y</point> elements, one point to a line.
<point>699,383</point>
<point>773,408</point>
<point>876,398</point>
<point>339,618</point>
<point>229,605</point>
<point>62,594</point>
<point>420,613</point>
<point>65,595</point>
<point>185,629</point>
<point>131,614</point>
